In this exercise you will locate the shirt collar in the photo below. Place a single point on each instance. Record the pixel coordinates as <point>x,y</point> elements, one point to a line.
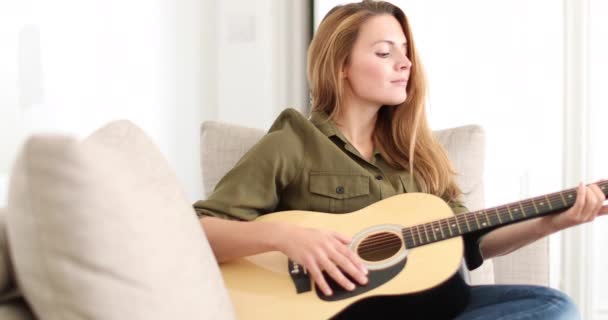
<point>321,120</point>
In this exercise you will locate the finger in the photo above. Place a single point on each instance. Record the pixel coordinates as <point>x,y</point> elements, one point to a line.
<point>317,276</point>
<point>604,210</point>
<point>353,257</point>
<point>337,275</point>
<point>590,205</point>
<point>338,256</point>
<point>342,238</point>
<point>599,196</point>
<point>580,201</point>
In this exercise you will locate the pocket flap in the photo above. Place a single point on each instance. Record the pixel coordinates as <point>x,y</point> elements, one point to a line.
<point>339,185</point>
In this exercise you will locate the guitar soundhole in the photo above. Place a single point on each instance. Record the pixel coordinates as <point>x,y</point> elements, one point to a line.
<point>379,246</point>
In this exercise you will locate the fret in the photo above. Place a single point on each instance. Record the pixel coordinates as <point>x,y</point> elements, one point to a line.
<point>497,220</point>
<point>523,211</point>
<point>485,213</point>
<point>498,215</point>
<point>458,225</point>
<point>467,221</point>
<point>510,214</point>
<point>549,202</point>
<point>412,238</point>
<point>571,197</point>
<point>534,204</point>
<point>483,223</point>
<point>477,220</point>
<point>441,229</point>
<point>555,201</point>
<point>450,225</point>
<point>563,199</point>
<point>514,210</point>
<point>492,218</point>
<point>419,235</point>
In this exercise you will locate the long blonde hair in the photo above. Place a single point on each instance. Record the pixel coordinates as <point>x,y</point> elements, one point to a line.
<point>402,133</point>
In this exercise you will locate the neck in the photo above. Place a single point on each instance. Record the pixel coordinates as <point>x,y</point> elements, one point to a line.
<point>493,217</point>
<point>357,121</point>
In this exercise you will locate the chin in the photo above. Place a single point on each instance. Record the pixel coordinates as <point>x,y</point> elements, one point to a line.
<point>396,101</point>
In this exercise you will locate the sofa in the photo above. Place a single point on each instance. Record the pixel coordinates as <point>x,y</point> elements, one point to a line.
<point>100,228</point>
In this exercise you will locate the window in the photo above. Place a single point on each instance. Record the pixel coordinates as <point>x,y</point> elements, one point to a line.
<point>493,64</point>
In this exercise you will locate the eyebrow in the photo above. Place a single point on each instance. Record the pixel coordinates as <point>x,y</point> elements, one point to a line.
<point>388,41</point>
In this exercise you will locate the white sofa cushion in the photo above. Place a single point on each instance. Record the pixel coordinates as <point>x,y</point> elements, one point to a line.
<point>102,230</point>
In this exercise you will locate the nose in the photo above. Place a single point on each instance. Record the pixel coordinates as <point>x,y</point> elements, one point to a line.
<point>404,62</point>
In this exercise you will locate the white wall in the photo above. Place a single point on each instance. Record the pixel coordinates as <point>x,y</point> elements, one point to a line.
<point>260,53</point>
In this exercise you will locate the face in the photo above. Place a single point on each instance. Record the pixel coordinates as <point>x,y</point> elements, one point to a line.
<point>378,68</point>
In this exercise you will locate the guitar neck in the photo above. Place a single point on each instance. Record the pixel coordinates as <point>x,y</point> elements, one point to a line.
<point>462,224</point>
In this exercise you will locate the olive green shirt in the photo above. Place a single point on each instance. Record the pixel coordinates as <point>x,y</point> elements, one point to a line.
<point>303,164</point>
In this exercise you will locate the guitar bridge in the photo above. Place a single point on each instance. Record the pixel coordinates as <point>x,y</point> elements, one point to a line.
<point>299,276</point>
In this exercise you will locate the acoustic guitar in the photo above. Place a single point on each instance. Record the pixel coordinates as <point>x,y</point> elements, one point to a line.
<point>409,243</point>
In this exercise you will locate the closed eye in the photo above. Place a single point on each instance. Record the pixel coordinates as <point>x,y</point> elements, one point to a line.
<point>383,54</point>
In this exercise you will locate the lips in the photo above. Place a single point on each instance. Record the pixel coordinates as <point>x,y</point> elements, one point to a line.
<point>400,82</point>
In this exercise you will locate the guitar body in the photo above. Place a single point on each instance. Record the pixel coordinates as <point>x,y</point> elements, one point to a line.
<point>261,286</point>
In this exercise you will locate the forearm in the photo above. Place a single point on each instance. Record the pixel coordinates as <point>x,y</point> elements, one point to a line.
<point>512,237</point>
<point>231,239</point>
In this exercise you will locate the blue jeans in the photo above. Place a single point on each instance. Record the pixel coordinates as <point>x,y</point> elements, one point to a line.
<point>501,302</point>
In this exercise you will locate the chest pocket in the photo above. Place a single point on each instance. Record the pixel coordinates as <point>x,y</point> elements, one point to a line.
<point>338,192</point>
<point>408,183</point>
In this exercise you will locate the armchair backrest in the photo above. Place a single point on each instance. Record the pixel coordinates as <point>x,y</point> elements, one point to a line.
<point>223,144</point>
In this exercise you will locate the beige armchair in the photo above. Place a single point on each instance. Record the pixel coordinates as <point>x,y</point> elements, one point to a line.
<point>222,145</point>
<point>137,218</point>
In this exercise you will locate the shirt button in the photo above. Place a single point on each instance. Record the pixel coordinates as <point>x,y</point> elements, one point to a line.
<point>379,177</point>
<point>340,190</point>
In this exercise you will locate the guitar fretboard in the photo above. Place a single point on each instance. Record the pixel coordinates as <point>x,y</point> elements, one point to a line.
<point>488,218</point>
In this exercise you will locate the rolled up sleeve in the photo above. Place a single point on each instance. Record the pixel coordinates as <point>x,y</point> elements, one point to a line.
<point>472,253</point>
<point>253,186</point>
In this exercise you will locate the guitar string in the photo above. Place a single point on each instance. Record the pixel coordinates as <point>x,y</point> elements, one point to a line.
<point>525,204</point>
<point>432,232</point>
<point>468,217</point>
<point>372,245</point>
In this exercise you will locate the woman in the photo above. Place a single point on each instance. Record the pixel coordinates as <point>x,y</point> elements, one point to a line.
<point>368,139</point>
